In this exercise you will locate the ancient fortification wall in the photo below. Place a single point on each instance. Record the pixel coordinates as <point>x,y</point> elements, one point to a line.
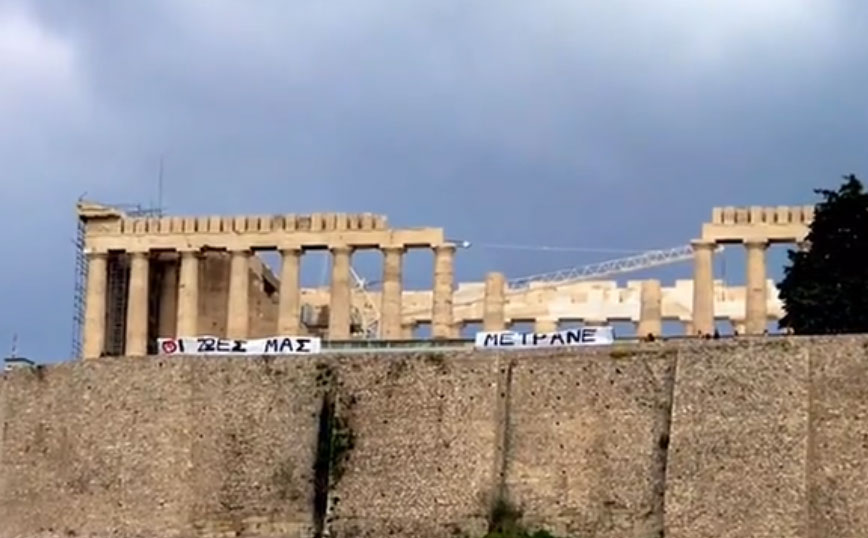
<point>697,439</point>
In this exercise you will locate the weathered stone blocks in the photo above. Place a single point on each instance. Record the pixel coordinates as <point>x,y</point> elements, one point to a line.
<point>759,437</point>
<point>738,452</point>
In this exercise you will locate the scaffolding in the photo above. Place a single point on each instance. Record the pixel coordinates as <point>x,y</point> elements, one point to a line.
<point>78,296</point>
<point>116,304</point>
<point>80,277</point>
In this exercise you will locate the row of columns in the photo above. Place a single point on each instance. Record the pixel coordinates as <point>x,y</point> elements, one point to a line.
<point>289,314</point>
<point>494,306</point>
<point>136,337</point>
<point>651,297</point>
<point>756,294</point>
<point>289,321</point>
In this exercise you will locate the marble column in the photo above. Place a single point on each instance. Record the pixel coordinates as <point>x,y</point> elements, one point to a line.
<point>441,317</point>
<point>545,325</point>
<point>494,317</point>
<point>93,331</point>
<point>188,295</point>
<point>390,307</point>
<point>688,327</point>
<point>340,299</point>
<point>650,309</point>
<point>289,308</point>
<point>137,305</point>
<point>238,310</point>
<point>407,330</point>
<point>756,305</point>
<point>167,319</point>
<point>703,287</point>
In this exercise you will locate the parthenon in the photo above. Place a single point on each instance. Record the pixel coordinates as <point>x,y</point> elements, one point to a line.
<point>114,241</point>
<point>188,276</point>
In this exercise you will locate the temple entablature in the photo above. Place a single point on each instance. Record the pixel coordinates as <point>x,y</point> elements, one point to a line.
<point>109,229</point>
<point>779,224</point>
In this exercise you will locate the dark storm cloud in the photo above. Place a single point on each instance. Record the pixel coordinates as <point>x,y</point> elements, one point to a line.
<point>544,122</point>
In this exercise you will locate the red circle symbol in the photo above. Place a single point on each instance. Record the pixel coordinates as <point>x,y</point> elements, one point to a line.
<point>170,346</point>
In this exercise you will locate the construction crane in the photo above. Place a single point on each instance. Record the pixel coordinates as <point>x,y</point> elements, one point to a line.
<point>562,277</point>
<point>369,313</point>
<point>645,260</point>
<point>132,210</point>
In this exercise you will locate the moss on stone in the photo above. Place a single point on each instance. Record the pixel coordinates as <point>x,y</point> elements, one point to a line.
<point>342,442</point>
<point>504,521</point>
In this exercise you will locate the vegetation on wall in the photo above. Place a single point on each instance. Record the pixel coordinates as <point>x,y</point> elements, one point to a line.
<point>519,533</point>
<point>825,287</point>
<point>341,443</point>
<point>335,441</point>
<point>504,521</point>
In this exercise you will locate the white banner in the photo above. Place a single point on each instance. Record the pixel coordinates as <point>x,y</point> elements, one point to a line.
<point>582,336</point>
<point>211,345</point>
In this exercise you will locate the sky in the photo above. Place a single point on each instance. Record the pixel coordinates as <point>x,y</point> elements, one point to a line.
<point>605,127</point>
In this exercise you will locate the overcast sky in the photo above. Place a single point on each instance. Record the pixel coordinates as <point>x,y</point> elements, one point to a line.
<point>609,124</point>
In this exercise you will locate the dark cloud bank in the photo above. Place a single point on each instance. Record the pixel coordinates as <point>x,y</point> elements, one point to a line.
<point>523,123</point>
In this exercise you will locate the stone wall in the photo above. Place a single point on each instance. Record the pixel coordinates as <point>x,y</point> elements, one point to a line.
<point>763,438</point>
<point>738,457</point>
<point>155,447</point>
<point>586,438</point>
<point>838,442</point>
<point>425,438</point>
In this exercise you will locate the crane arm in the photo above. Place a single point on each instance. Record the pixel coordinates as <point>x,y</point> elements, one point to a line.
<point>645,260</point>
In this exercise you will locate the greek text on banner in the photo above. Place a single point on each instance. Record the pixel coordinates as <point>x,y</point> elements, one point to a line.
<point>583,336</point>
<point>211,345</point>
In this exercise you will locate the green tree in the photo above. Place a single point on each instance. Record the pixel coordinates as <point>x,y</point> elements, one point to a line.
<point>825,288</point>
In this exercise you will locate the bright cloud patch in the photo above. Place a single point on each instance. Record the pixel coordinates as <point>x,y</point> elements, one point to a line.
<point>34,63</point>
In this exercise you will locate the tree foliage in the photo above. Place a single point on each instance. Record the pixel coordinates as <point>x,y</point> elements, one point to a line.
<point>825,287</point>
